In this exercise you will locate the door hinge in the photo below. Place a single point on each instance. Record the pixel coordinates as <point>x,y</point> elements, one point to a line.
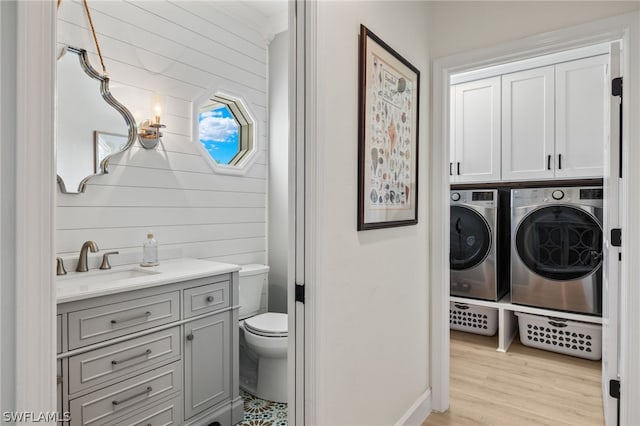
<point>300,293</point>
<point>616,237</point>
<point>616,87</point>
<point>614,389</point>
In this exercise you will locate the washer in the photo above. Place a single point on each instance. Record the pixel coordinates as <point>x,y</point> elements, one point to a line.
<point>556,258</point>
<point>475,248</point>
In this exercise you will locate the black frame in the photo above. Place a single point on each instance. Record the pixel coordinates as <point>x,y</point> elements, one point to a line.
<point>366,34</point>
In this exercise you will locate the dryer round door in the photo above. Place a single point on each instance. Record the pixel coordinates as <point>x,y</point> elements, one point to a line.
<point>470,238</point>
<point>560,242</point>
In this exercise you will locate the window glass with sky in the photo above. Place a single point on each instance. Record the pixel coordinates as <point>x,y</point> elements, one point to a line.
<point>224,130</point>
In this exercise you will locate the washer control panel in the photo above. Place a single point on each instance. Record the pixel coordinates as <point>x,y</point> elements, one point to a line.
<point>557,194</point>
<point>455,196</point>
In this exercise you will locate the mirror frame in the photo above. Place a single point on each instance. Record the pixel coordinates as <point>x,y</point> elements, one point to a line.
<point>108,97</point>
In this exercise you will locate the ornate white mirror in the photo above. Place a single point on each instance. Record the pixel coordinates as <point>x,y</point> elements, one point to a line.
<point>91,125</point>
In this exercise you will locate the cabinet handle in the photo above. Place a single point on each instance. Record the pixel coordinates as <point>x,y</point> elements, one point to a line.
<point>458,166</point>
<point>145,316</point>
<point>548,162</point>
<point>116,362</point>
<point>450,169</point>
<point>559,161</point>
<point>122,401</point>
<point>190,336</point>
<point>209,299</point>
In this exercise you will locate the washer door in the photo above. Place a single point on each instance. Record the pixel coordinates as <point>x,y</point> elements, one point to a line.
<point>560,242</point>
<point>470,238</point>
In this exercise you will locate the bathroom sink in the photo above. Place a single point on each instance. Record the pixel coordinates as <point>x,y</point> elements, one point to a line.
<point>100,277</point>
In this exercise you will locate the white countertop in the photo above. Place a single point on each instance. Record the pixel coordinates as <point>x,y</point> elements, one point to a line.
<point>84,285</point>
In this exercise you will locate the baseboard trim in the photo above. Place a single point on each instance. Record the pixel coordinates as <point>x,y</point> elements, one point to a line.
<point>418,412</point>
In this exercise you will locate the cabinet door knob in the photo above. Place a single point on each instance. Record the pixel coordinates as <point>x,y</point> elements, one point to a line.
<point>458,166</point>
<point>559,161</point>
<point>548,162</point>
<point>450,169</point>
<point>190,337</point>
<point>209,299</point>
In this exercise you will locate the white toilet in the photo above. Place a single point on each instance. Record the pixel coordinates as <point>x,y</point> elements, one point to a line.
<point>263,339</point>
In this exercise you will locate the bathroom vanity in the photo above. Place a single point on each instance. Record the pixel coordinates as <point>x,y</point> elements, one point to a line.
<point>150,346</point>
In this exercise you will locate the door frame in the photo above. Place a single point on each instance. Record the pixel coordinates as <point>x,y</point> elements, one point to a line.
<point>35,188</point>
<point>35,180</point>
<point>302,229</point>
<point>625,27</point>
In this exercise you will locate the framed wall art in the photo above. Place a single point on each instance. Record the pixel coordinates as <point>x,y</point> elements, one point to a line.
<point>388,136</point>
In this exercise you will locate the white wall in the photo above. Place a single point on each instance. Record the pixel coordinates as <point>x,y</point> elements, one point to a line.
<point>278,221</point>
<point>458,26</point>
<point>372,315</point>
<point>180,51</point>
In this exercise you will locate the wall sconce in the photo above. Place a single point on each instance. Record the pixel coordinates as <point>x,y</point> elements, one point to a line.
<point>150,133</point>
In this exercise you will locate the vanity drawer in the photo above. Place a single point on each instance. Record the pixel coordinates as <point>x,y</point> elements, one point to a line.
<point>101,365</point>
<point>128,397</point>
<point>164,414</point>
<point>106,322</point>
<point>206,298</point>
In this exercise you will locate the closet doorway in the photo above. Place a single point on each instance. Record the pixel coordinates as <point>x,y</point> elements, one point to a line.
<point>578,37</point>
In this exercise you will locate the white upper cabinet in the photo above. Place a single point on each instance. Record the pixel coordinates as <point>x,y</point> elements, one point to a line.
<point>541,123</point>
<point>528,124</point>
<point>475,156</point>
<point>581,94</point>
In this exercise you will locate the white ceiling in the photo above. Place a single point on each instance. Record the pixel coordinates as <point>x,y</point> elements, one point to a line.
<point>269,8</point>
<point>269,17</point>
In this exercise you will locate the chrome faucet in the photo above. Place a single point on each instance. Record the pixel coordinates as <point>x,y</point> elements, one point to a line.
<point>82,260</point>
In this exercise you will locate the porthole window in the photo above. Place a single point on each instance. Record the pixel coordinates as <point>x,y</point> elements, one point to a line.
<point>225,131</point>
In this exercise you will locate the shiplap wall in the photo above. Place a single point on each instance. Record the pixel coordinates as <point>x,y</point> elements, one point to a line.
<point>181,51</point>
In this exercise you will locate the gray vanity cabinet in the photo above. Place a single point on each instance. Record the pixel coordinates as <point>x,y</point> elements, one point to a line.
<point>163,355</point>
<point>207,353</point>
<point>59,386</point>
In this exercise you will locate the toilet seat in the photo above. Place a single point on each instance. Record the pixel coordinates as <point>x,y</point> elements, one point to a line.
<point>270,324</point>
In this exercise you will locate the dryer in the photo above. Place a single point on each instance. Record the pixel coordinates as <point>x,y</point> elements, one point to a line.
<point>556,259</point>
<point>475,241</point>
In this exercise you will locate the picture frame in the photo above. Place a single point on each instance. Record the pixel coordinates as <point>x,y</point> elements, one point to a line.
<point>389,88</point>
<point>106,144</point>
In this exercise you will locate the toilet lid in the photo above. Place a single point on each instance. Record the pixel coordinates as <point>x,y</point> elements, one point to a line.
<point>269,324</point>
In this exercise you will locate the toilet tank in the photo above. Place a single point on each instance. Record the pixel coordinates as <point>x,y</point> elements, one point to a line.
<point>252,283</point>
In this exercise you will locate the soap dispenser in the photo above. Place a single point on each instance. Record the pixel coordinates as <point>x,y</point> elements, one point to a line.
<point>150,251</point>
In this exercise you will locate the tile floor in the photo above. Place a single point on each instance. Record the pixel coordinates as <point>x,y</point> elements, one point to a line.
<point>258,412</point>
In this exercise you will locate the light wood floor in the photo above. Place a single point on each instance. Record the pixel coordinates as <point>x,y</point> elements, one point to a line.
<point>522,387</point>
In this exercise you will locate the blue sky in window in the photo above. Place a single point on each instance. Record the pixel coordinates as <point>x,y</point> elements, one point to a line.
<point>219,134</point>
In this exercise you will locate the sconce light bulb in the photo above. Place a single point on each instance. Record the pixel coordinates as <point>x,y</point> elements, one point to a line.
<point>158,111</point>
